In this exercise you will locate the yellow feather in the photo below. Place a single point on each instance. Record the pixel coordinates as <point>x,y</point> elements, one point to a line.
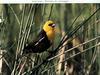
<point>50,31</point>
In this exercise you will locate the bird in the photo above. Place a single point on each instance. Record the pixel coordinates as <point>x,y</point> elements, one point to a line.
<point>44,39</point>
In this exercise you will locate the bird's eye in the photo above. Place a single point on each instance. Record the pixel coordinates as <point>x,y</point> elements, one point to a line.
<point>50,24</point>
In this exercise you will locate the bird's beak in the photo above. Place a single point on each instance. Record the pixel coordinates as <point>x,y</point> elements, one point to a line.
<point>53,25</point>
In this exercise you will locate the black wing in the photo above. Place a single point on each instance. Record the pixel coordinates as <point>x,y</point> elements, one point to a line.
<point>39,45</point>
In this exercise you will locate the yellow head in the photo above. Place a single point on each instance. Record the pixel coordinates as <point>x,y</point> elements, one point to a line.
<point>49,28</point>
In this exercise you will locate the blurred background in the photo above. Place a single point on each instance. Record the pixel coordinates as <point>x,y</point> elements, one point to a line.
<point>21,23</point>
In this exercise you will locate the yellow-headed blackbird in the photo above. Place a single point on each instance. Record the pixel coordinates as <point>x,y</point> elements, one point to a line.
<point>44,39</point>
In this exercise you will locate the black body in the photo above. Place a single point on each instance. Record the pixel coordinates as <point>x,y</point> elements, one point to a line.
<point>41,44</point>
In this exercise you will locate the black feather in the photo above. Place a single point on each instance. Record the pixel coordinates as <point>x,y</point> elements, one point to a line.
<point>41,44</point>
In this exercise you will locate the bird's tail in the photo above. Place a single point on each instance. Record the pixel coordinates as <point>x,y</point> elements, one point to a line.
<point>26,50</point>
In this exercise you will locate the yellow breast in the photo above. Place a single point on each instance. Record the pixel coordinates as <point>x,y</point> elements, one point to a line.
<point>50,30</point>
<point>51,34</point>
